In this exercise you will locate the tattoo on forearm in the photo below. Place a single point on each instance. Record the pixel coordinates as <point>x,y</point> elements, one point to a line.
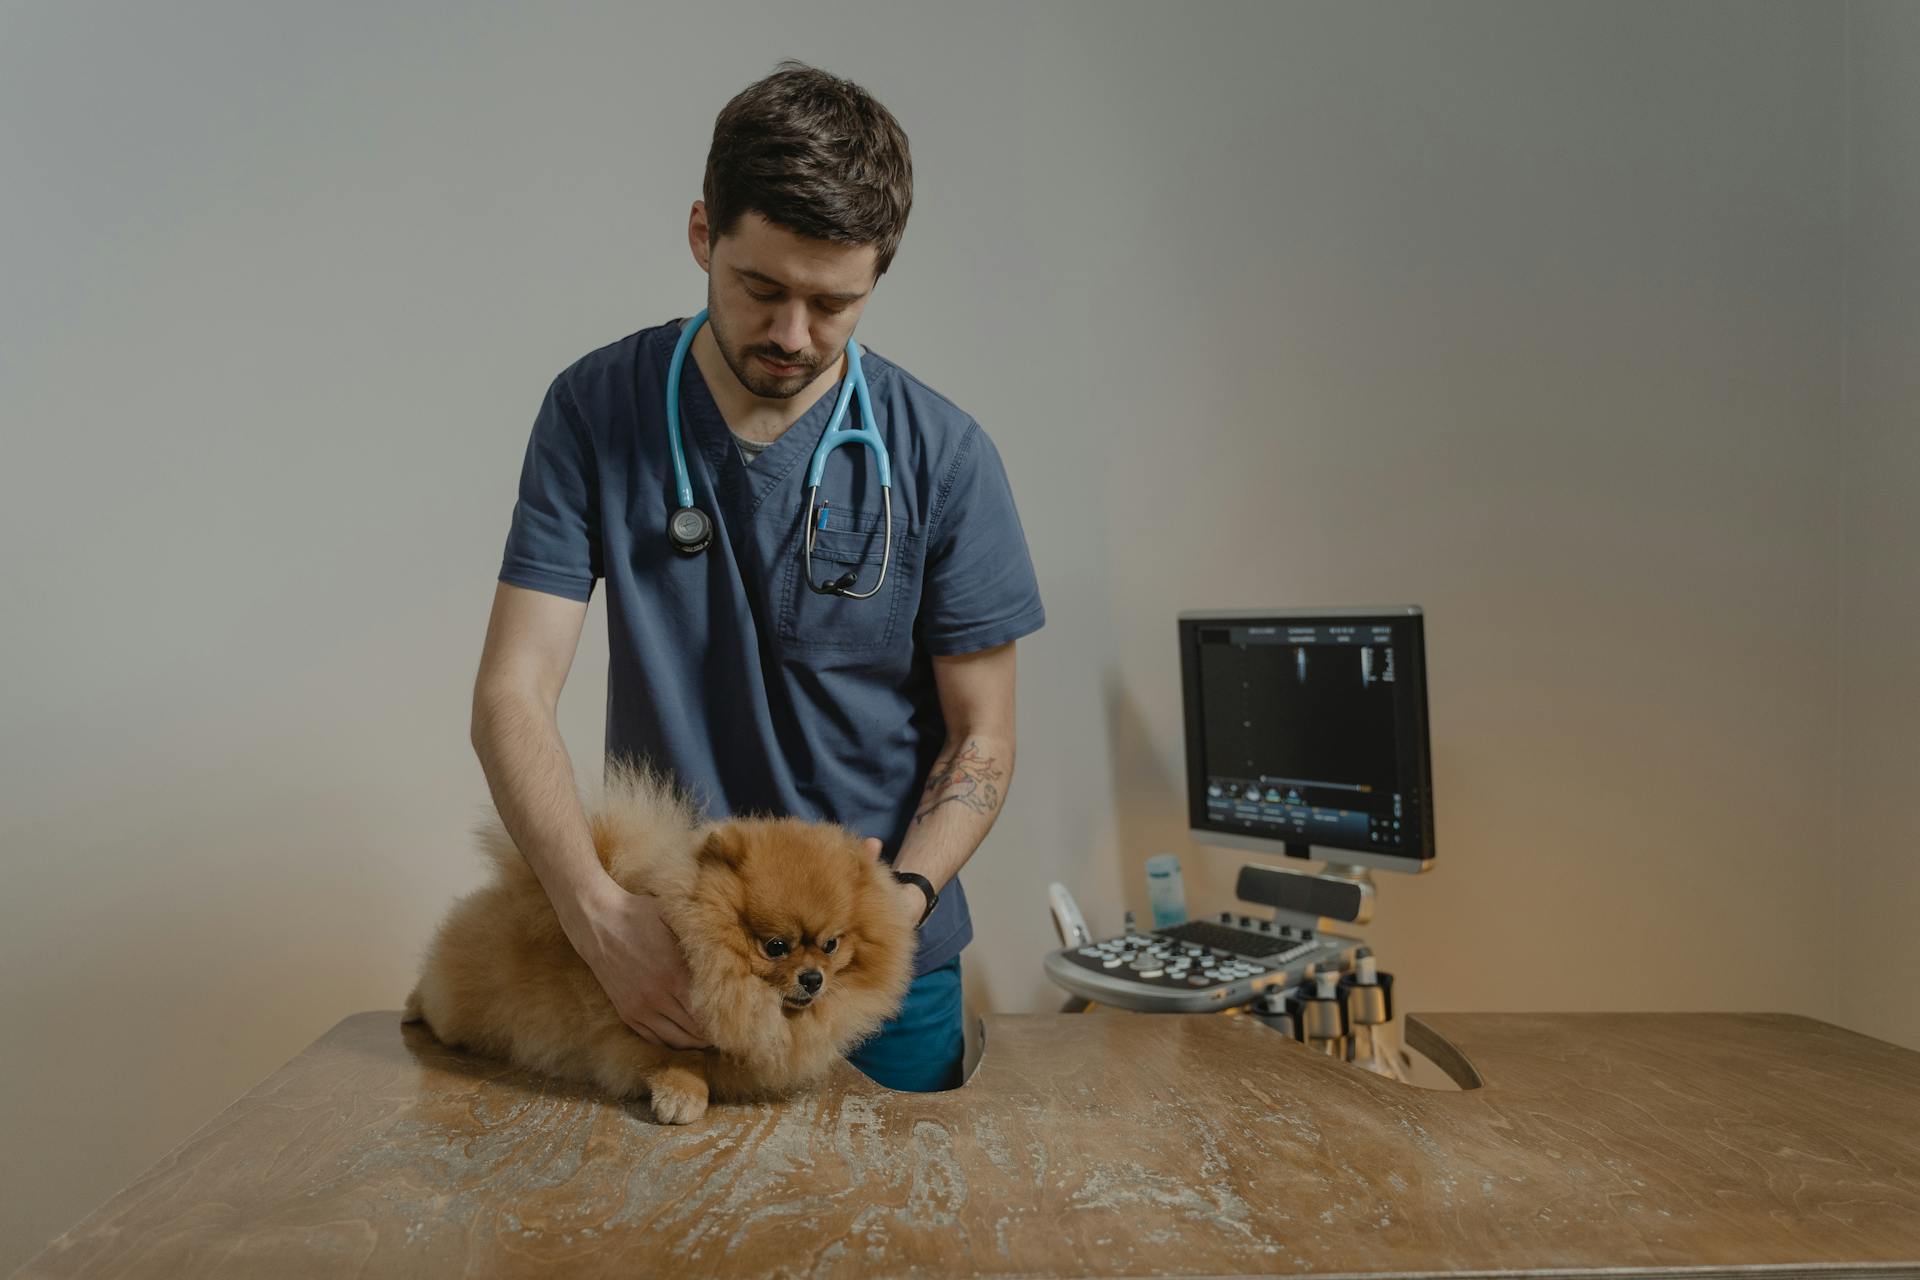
<point>967,777</point>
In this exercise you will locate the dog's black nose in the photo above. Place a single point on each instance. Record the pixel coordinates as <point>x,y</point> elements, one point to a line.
<point>811,980</point>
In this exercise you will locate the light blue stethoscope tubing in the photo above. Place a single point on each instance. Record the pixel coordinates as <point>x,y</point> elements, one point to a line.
<point>853,387</point>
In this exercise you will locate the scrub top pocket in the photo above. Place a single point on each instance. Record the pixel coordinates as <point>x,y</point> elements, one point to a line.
<point>811,620</point>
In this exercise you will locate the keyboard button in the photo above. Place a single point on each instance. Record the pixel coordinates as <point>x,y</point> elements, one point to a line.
<point>1111,962</point>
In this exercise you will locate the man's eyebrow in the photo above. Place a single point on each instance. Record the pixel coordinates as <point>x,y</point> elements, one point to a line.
<point>769,280</point>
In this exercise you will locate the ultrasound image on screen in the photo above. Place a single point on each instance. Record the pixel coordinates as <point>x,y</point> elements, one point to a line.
<point>1300,711</point>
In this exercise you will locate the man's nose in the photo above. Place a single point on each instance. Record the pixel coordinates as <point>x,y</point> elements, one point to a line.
<point>811,980</point>
<point>789,332</point>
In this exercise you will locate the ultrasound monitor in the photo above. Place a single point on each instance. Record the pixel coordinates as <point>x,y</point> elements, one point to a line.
<point>1307,734</point>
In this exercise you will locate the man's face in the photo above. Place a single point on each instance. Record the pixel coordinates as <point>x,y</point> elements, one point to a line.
<point>781,306</point>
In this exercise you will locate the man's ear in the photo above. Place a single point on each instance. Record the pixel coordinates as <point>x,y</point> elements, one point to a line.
<point>723,848</point>
<point>700,236</point>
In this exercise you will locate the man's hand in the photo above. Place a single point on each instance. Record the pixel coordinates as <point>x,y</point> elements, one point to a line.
<point>912,902</point>
<point>640,966</point>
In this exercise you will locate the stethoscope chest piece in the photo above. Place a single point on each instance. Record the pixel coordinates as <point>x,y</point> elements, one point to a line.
<point>690,530</point>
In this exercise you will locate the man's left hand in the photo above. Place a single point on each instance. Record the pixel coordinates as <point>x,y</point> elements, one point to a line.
<point>913,904</point>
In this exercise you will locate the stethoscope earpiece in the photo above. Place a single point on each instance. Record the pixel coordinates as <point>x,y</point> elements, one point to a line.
<point>690,530</point>
<point>840,586</point>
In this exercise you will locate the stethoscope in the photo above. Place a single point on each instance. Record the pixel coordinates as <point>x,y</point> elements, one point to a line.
<point>691,529</point>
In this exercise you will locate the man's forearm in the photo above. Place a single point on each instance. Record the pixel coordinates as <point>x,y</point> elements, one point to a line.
<point>958,805</point>
<point>531,777</point>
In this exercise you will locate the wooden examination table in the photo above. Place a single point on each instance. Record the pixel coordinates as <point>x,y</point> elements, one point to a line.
<point>1110,1145</point>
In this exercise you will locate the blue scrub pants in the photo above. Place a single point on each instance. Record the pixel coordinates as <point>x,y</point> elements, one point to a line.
<point>922,1049</point>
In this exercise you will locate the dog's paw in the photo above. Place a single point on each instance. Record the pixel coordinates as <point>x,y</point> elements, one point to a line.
<point>675,1104</point>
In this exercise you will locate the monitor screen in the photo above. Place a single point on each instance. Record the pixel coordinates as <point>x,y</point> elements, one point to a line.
<point>1308,729</point>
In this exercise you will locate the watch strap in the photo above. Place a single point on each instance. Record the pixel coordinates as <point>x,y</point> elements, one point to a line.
<point>924,885</point>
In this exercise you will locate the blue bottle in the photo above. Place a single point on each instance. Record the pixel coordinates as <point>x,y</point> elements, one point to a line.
<point>1165,893</point>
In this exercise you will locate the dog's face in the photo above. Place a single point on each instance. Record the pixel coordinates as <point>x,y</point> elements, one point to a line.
<point>800,895</point>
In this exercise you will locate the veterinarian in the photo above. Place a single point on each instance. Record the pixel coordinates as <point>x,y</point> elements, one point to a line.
<point>865,676</point>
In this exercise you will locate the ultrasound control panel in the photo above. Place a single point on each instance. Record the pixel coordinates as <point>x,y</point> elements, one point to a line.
<point>1193,967</point>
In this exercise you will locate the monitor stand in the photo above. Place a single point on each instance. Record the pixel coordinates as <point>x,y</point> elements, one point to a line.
<point>1333,868</point>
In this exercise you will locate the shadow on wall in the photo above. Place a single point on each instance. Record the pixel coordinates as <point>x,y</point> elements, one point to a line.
<point>1150,814</point>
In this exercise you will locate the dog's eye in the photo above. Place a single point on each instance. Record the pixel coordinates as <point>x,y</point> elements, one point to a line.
<point>830,946</point>
<point>774,947</point>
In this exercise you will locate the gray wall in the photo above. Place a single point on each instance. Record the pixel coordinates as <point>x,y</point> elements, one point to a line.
<point>1878,867</point>
<point>1530,314</point>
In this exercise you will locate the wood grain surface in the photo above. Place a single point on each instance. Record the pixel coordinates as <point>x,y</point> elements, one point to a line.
<point>1110,1145</point>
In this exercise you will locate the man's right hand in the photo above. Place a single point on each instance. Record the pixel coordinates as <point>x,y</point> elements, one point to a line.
<point>639,964</point>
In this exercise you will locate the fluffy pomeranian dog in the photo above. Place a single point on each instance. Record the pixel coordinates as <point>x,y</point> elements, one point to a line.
<point>793,935</point>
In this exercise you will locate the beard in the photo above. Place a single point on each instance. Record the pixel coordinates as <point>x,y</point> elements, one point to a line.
<point>744,361</point>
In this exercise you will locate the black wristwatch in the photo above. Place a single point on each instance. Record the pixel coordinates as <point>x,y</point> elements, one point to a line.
<point>924,885</point>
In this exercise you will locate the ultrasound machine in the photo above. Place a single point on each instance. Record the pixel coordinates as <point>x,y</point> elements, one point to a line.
<point>1306,737</point>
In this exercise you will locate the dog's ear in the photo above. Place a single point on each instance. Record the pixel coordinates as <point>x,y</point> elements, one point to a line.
<point>723,848</point>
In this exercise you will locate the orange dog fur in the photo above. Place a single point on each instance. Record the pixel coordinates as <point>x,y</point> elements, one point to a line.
<point>501,979</point>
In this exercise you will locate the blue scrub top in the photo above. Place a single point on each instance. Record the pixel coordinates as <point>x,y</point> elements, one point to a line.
<point>757,694</point>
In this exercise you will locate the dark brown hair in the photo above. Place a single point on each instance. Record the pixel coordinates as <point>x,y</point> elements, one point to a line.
<point>815,154</point>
